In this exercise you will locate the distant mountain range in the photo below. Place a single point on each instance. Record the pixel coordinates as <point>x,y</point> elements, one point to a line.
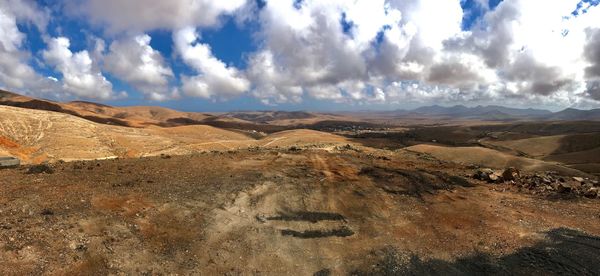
<point>144,116</point>
<point>500,113</point>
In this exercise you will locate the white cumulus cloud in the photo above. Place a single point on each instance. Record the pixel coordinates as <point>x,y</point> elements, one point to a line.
<point>145,15</point>
<point>135,61</point>
<point>342,50</point>
<point>15,71</point>
<point>80,76</point>
<point>215,78</point>
<point>514,52</point>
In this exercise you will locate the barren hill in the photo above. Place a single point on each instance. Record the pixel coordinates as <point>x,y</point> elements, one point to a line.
<point>489,158</point>
<point>143,116</point>
<point>581,151</point>
<point>36,136</point>
<point>136,116</point>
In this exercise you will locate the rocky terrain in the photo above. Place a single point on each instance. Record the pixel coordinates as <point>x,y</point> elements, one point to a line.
<point>347,210</point>
<point>549,183</point>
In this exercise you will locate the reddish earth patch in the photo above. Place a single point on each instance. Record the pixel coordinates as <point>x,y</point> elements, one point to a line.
<point>7,143</point>
<point>129,205</point>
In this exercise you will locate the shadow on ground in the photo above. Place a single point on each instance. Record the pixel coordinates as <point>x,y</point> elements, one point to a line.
<point>564,252</point>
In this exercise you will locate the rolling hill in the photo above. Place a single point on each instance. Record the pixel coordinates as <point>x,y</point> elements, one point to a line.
<point>489,158</point>
<point>144,116</point>
<point>37,136</point>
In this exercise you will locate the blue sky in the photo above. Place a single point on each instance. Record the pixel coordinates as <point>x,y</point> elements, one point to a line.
<point>309,55</point>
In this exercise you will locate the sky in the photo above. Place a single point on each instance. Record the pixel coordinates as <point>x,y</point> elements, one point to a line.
<point>327,55</point>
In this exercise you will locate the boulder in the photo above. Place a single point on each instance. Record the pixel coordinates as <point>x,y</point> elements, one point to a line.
<point>483,174</point>
<point>488,175</point>
<point>578,179</point>
<point>592,192</point>
<point>511,174</point>
<point>563,187</point>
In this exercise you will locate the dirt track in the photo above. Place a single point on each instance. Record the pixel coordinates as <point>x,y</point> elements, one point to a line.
<point>277,212</point>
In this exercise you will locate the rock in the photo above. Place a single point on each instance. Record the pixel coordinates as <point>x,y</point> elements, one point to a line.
<point>592,193</point>
<point>563,187</point>
<point>499,177</point>
<point>9,162</point>
<point>491,176</point>
<point>77,246</point>
<point>42,168</point>
<point>347,147</point>
<point>486,171</point>
<point>511,174</point>
<point>483,174</point>
<point>165,156</point>
<point>578,179</point>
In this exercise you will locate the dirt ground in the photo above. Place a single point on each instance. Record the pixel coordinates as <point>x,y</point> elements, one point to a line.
<point>272,212</point>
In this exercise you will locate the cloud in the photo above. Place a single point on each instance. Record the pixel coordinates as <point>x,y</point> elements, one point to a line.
<point>28,11</point>
<point>272,86</point>
<point>464,71</point>
<point>532,76</point>
<point>593,89</point>
<point>146,15</point>
<point>351,52</point>
<point>592,72</point>
<point>80,76</point>
<point>215,79</point>
<point>592,53</point>
<point>136,62</point>
<point>320,47</point>
<point>307,50</point>
<point>15,71</point>
<point>316,48</point>
<point>10,37</point>
<point>533,54</point>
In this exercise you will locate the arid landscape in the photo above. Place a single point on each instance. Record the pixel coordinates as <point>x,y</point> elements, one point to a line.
<point>107,190</point>
<point>299,137</point>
